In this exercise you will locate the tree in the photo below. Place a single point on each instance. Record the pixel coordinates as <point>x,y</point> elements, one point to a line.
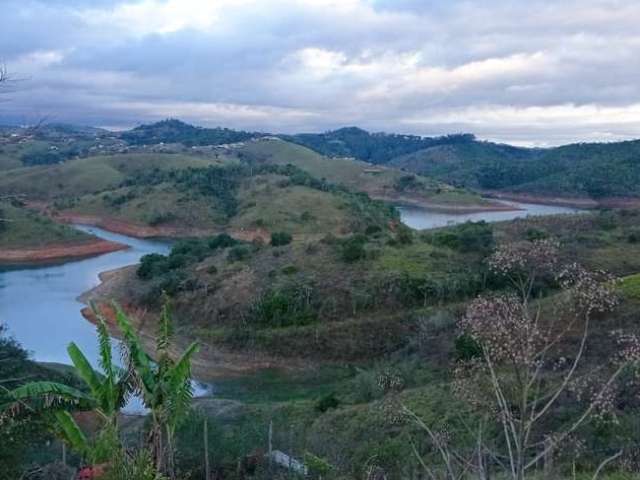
<point>108,392</point>
<point>529,360</point>
<point>165,386</point>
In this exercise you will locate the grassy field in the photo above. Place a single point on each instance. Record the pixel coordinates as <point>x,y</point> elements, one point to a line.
<point>22,228</point>
<point>337,409</point>
<point>375,180</point>
<point>89,175</point>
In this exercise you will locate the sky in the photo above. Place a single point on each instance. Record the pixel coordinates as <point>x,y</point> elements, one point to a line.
<point>526,72</point>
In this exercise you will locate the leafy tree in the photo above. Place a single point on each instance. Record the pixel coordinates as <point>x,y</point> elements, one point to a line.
<point>165,386</point>
<point>107,392</point>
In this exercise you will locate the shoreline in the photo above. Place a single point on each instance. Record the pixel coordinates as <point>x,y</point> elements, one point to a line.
<point>444,207</point>
<point>140,231</point>
<point>209,365</point>
<point>572,202</point>
<point>57,253</point>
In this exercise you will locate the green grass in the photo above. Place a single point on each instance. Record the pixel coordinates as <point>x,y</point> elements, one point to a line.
<point>294,209</point>
<point>156,205</point>
<point>91,174</point>
<point>25,228</point>
<point>377,180</point>
<point>630,287</point>
<point>274,385</point>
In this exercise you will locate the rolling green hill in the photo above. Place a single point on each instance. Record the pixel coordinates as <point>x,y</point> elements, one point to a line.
<point>23,228</point>
<point>591,170</point>
<point>91,174</point>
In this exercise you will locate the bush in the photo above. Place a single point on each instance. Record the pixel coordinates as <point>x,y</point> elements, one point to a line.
<point>533,234</point>
<point>353,248</point>
<point>289,306</point>
<point>238,253</point>
<point>152,265</point>
<point>467,348</point>
<point>404,235</point>
<point>372,230</point>
<point>634,236</point>
<point>468,237</point>
<point>327,403</point>
<point>279,239</point>
<point>222,241</point>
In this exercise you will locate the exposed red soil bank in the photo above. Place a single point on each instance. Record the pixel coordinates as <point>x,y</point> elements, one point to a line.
<point>419,202</point>
<point>55,252</point>
<point>575,202</point>
<point>148,231</point>
<point>211,362</point>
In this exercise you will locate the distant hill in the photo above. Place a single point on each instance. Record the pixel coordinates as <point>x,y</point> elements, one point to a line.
<point>371,147</point>
<point>175,131</point>
<point>593,170</point>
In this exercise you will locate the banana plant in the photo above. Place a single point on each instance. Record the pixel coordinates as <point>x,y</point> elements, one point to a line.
<point>165,385</point>
<point>107,392</point>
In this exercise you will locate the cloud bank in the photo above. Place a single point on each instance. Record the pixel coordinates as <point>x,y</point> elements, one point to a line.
<point>539,72</point>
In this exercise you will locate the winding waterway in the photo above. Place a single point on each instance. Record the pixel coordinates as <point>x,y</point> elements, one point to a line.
<point>422,219</point>
<point>39,304</point>
<point>40,308</point>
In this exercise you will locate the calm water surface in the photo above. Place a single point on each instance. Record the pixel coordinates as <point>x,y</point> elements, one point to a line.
<point>421,219</point>
<point>40,307</point>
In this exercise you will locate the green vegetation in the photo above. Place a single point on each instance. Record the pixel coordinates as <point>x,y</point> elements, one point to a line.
<point>591,170</point>
<point>23,228</point>
<point>175,131</point>
<point>164,385</point>
<point>279,239</point>
<point>374,148</point>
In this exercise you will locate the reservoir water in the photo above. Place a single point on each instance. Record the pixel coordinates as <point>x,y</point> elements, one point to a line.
<point>39,304</point>
<point>40,308</point>
<point>422,219</point>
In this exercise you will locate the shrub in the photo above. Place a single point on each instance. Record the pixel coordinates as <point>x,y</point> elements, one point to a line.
<point>634,236</point>
<point>222,241</point>
<point>286,307</point>
<point>159,218</point>
<point>289,269</point>
<point>467,348</point>
<point>468,237</point>
<point>238,253</point>
<point>533,234</point>
<point>404,235</point>
<point>152,265</point>
<point>353,248</point>
<point>279,239</point>
<point>372,230</point>
<point>327,403</point>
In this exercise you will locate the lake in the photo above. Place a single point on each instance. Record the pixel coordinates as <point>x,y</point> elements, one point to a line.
<point>40,307</point>
<point>422,219</point>
<point>39,304</point>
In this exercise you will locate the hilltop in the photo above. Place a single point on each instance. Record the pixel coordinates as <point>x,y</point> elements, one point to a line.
<point>597,171</point>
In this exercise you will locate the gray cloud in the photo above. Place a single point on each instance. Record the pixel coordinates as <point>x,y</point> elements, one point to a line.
<point>542,73</point>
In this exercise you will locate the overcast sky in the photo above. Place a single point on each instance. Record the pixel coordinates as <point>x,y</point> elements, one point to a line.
<point>531,72</point>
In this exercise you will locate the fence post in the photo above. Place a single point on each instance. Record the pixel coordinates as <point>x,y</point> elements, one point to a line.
<point>548,459</point>
<point>207,468</point>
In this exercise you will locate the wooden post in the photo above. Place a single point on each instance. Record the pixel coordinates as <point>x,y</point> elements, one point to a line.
<point>207,468</point>
<point>548,459</point>
<point>270,444</point>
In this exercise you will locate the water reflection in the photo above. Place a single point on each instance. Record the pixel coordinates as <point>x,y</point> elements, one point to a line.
<point>421,219</point>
